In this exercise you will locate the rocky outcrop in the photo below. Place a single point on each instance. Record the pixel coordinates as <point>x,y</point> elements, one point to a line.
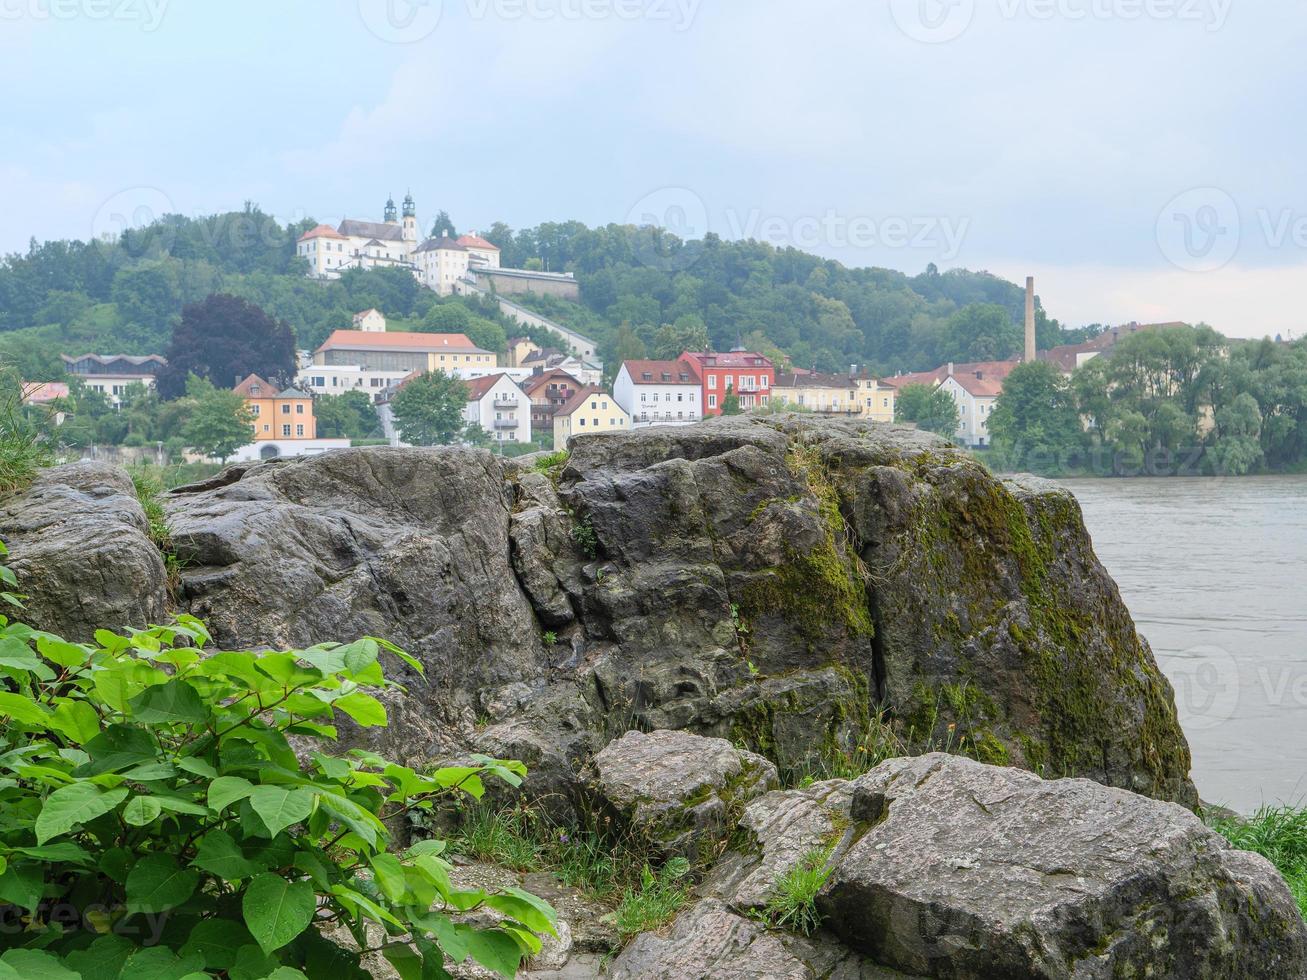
<point>795,585</point>
<point>679,793</point>
<point>81,549</point>
<point>971,871</point>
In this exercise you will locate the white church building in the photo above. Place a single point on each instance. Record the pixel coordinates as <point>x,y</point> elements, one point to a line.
<point>438,263</point>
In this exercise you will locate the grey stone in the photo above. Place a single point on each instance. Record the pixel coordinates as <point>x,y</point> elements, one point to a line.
<point>680,793</point>
<point>971,872</point>
<point>79,544</point>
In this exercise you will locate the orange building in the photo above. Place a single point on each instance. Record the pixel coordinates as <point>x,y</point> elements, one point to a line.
<point>277,414</point>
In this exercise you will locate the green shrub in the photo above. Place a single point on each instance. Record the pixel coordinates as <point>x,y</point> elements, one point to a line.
<point>553,461</point>
<point>155,821</point>
<point>22,449</point>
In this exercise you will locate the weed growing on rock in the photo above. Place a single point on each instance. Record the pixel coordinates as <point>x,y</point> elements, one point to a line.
<point>1278,834</point>
<point>147,493</point>
<point>793,902</point>
<point>549,638</point>
<point>583,533</point>
<point>552,462</point>
<point>656,900</point>
<point>22,450</point>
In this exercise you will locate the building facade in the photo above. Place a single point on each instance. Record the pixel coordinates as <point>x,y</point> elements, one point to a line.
<point>500,407</point>
<point>659,392</point>
<point>835,394</point>
<point>113,374</point>
<point>398,351</point>
<point>548,391</point>
<point>587,412</point>
<point>747,375</point>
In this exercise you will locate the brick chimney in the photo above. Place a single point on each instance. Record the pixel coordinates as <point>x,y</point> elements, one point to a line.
<point>1031,352</point>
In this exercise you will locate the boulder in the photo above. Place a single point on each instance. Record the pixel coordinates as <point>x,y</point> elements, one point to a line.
<point>80,546</point>
<point>969,872</point>
<point>678,792</point>
<point>711,942</point>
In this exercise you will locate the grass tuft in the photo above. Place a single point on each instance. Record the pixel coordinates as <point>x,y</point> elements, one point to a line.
<point>1278,834</point>
<point>793,903</point>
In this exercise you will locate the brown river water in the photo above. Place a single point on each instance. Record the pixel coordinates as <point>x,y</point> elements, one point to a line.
<point>1215,574</point>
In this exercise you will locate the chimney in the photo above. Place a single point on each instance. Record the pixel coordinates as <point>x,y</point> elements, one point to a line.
<point>1030,319</point>
<point>950,369</point>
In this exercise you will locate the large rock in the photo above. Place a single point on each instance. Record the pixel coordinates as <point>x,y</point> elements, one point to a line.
<point>711,942</point>
<point>791,584</point>
<point>969,872</point>
<point>80,546</point>
<point>680,793</point>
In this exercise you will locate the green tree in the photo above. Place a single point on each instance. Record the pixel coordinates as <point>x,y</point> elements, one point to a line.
<point>1238,446</point>
<point>429,409</point>
<point>688,333</point>
<point>350,415</point>
<point>443,225</point>
<point>931,408</point>
<point>1035,421</point>
<point>225,339</point>
<point>219,421</point>
<point>731,403</point>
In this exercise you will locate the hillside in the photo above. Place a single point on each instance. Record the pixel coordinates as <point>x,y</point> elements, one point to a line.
<point>644,292</point>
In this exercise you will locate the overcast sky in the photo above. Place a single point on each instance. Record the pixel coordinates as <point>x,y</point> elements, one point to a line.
<point>1143,158</point>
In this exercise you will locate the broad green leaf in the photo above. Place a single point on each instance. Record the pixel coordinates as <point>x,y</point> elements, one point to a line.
<point>176,702</point>
<point>411,661</point>
<point>110,641</point>
<point>177,804</point>
<point>277,910</point>
<point>353,816</point>
<point>158,883</point>
<point>534,913</point>
<point>286,973</point>
<point>226,790</point>
<point>60,651</point>
<point>197,767</point>
<point>124,680</point>
<point>24,710</point>
<point>216,941</point>
<point>351,898</point>
<point>332,768</point>
<point>23,885</point>
<point>161,963</point>
<point>496,951</point>
<point>252,963</point>
<point>151,771</point>
<point>363,708</point>
<point>118,747</point>
<point>72,806</point>
<point>359,654</point>
<point>428,846</point>
<point>37,964</point>
<point>103,959</point>
<point>390,876</point>
<point>77,720</point>
<point>219,854</point>
<point>279,807</point>
<point>405,959</point>
<point>314,867</point>
<point>65,851</point>
<point>141,811</point>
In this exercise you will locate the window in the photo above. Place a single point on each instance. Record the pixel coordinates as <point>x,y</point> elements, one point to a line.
<point>285,430</point>
<point>764,381</point>
<point>299,409</point>
<point>299,431</point>
<point>712,401</point>
<point>267,428</point>
<point>285,409</point>
<point>712,382</point>
<point>583,421</point>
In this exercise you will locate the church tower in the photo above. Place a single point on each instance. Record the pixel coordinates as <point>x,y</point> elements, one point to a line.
<point>392,214</point>
<point>410,219</point>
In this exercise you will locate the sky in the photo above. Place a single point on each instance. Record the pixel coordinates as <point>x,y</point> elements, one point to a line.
<point>1143,159</point>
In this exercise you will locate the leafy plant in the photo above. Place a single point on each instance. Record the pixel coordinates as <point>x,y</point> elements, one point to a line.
<point>583,533</point>
<point>155,821</point>
<point>549,638</point>
<point>147,490</point>
<point>553,461</point>
<point>1278,834</point>
<point>793,901</point>
<point>22,450</point>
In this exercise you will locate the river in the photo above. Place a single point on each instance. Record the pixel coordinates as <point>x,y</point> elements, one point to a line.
<point>1215,574</point>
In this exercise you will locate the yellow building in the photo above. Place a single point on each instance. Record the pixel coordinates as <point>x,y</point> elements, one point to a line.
<point>588,411</point>
<point>399,351</point>
<point>519,349</point>
<point>277,414</point>
<point>836,394</point>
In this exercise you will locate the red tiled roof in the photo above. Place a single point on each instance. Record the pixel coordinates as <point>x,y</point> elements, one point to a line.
<point>672,369</point>
<point>537,381</point>
<point>477,387</point>
<point>732,359</point>
<point>398,339</point>
<point>322,231</point>
<point>39,392</point>
<point>988,385</point>
<point>476,241</point>
<point>266,389</point>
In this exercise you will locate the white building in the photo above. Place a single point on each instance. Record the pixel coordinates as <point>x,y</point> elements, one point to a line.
<point>500,407</point>
<point>370,321</point>
<point>113,374</point>
<point>336,379</point>
<point>659,392</point>
<point>285,449</point>
<point>975,391</point>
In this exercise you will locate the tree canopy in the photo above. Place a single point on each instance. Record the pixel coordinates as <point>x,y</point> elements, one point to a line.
<point>224,339</point>
<point>931,408</point>
<point>219,421</point>
<point>429,409</point>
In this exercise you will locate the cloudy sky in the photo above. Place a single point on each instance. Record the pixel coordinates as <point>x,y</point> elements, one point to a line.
<point>1143,158</point>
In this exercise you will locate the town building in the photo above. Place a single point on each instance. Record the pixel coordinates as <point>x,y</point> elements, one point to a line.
<point>589,411</point>
<point>551,359</point>
<point>974,388</point>
<point>519,349</point>
<point>745,374</point>
<point>401,351</point>
<point>548,391</point>
<point>659,392</point>
<point>42,392</point>
<point>853,395</point>
<point>113,374</point>
<point>282,422</point>
<point>370,321</point>
<point>500,407</point>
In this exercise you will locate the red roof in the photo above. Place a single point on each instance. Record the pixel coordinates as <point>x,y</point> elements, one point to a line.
<point>266,389</point>
<point>399,339</point>
<point>732,359</point>
<point>39,392</point>
<point>322,231</point>
<point>662,372</point>
<point>579,398</point>
<point>537,381</point>
<point>476,241</point>
<point>988,385</point>
<point>477,387</point>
